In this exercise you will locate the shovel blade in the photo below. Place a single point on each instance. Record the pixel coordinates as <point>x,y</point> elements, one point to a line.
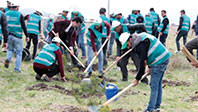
<point>92,109</point>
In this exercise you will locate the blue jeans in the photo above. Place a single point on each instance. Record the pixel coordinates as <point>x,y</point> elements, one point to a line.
<point>163,38</point>
<point>183,34</point>
<point>81,43</point>
<point>91,55</point>
<point>15,45</point>
<point>157,73</point>
<point>112,38</point>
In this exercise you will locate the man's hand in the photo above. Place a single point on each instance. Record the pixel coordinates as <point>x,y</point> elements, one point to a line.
<point>135,82</point>
<point>27,39</point>
<point>118,58</point>
<point>148,71</point>
<point>96,53</point>
<point>63,79</point>
<point>108,37</point>
<point>160,33</point>
<point>177,32</point>
<point>72,50</point>
<point>195,64</point>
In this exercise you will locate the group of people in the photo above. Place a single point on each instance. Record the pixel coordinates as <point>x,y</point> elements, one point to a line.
<point>137,32</point>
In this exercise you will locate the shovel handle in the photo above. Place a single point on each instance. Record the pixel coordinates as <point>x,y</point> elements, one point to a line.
<point>121,92</point>
<point>110,66</point>
<point>69,50</point>
<point>96,56</point>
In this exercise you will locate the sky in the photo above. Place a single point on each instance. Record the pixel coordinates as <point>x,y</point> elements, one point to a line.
<point>90,8</point>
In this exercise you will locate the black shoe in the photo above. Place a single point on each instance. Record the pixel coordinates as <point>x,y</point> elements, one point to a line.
<point>89,75</point>
<point>125,79</point>
<point>38,77</point>
<point>6,64</point>
<point>145,81</point>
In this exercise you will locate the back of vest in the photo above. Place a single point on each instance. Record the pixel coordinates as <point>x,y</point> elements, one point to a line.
<point>33,24</point>
<point>186,23</point>
<point>14,24</point>
<point>154,16</point>
<point>46,56</point>
<point>157,53</point>
<point>148,24</point>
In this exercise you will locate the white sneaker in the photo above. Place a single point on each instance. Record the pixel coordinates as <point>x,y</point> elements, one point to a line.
<point>177,52</point>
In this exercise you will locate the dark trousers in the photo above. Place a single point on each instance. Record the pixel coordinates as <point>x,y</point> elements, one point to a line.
<point>74,61</point>
<point>192,44</point>
<point>34,39</point>
<point>104,51</point>
<point>124,61</point>
<point>163,38</point>
<point>155,32</point>
<point>183,34</point>
<point>49,72</point>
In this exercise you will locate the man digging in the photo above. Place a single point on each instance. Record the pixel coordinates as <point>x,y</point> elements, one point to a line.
<point>154,54</point>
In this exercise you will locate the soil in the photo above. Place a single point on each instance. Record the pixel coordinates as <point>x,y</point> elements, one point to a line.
<point>44,87</point>
<point>194,98</point>
<point>175,83</point>
<point>109,79</point>
<point>121,110</point>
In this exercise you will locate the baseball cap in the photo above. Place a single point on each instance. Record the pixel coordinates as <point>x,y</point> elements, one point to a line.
<point>114,25</point>
<point>123,39</point>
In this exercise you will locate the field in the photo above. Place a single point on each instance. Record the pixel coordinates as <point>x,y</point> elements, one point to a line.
<point>20,92</point>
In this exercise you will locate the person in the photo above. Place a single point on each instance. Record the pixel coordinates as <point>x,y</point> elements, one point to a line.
<point>193,27</point>
<point>45,62</point>
<point>153,53</point>
<point>3,30</point>
<point>33,30</point>
<point>182,30</point>
<point>112,36</point>
<point>63,16</point>
<point>121,18</point>
<point>80,33</point>
<point>48,26</point>
<point>132,17</point>
<point>94,43</point>
<point>156,20</point>
<point>122,63</point>
<point>102,13</point>
<point>139,18</point>
<point>163,28</point>
<point>66,31</point>
<point>16,25</point>
<point>149,24</point>
<point>8,6</point>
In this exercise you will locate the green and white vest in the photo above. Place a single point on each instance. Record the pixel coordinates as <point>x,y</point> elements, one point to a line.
<point>96,32</point>
<point>186,23</point>
<point>132,19</point>
<point>161,26</point>
<point>47,56</point>
<point>14,24</point>
<point>154,16</point>
<point>33,24</point>
<point>148,24</point>
<point>1,35</point>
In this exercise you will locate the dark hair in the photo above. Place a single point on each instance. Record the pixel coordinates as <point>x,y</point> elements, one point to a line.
<point>163,11</point>
<point>182,11</point>
<point>65,11</point>
<point>102,10</point>
<point>78,19</point>
<point>152,9</point>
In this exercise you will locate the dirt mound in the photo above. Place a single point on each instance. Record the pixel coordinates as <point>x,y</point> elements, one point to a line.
<point>44,87</point>
<point>121,110</point>
<point>194,98</point>
<point>109,79</point>
<point>67,108</point>
<point>175,83</point>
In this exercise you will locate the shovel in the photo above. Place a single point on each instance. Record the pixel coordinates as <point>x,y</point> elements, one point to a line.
<point>96,56</point>
<point>69,51</point>
<point>95,109</point>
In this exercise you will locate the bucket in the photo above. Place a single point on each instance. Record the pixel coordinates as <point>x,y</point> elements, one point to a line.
<point>111,90</point>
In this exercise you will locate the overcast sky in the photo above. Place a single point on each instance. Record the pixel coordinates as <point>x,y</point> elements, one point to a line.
<point>90,8</point>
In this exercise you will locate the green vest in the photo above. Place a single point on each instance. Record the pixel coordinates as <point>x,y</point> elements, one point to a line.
<point>47,56</point>
<point>157,52</point>
<point>7,9</point>
<point>14,24</point>
<point>96,32</point>
<point>154,16</point>
<point>104,18</point>
<point>161,26</point>
<point>1,35</point>
<point>124,29</point>
<point>33,24</point>
<point>83,24</point>
<point>50,24</point>
<point>186,23</point>
<point>132,19</point>
<point>148,24</point>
